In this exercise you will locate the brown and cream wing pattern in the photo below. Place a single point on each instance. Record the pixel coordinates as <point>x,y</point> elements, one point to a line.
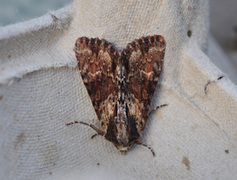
<point>143,64</point>
<point>97,61</point>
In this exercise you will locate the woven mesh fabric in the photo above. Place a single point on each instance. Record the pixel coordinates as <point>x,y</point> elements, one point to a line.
<point>41,90</point>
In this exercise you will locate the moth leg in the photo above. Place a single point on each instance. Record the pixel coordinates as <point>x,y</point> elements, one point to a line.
<point>140,143</point>
<point>94,135</point>
<point>157,107</point>
<point>99,132</point>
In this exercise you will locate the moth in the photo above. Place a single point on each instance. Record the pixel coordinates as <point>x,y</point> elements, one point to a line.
<point>121,85</point>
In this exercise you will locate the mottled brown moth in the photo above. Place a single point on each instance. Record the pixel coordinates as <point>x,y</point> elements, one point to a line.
<point>121,85</point>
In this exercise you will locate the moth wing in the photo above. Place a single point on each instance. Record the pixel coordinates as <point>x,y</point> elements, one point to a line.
<point>143,64</point>
<point>97,62</point>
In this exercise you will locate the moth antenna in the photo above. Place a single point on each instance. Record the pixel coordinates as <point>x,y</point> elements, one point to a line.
<point>99,132</point>
<point>157,107</point>
<point>140,143</point>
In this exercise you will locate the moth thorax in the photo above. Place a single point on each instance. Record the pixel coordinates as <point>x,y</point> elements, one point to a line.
<point>122,133</point>
<point>121,126</point>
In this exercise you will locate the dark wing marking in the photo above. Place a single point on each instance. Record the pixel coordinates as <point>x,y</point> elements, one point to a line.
<point>143,64</point>
<point>97,62</point>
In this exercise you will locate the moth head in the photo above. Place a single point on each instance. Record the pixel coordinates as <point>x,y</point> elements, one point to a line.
<point>122,135</point>
<point>123,148</point>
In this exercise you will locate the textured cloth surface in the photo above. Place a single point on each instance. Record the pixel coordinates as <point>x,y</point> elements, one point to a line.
<point>195,137</point>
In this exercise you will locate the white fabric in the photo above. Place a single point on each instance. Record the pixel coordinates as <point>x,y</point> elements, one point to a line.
<point>195,137</point>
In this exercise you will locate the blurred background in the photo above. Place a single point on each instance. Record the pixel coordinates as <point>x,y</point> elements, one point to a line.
<point>13,11</point>
<point>223,24</point>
